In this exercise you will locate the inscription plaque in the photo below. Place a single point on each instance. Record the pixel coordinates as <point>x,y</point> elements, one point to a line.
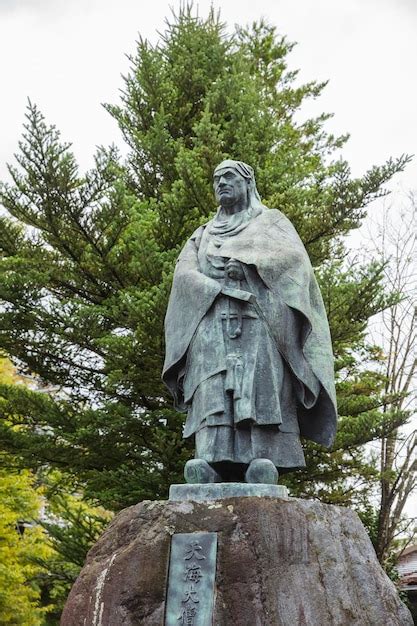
<point>192,571</point>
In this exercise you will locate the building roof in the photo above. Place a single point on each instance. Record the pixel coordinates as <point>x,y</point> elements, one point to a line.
<point>412,548</point>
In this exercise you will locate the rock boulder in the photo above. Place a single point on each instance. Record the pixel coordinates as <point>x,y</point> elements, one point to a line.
<point>280,562</point>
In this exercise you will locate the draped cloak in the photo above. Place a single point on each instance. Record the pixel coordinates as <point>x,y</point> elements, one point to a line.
<point>288,300</point>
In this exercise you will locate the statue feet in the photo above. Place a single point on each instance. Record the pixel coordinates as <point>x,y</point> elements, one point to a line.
<point>262,471</point>
<point>198,471</point>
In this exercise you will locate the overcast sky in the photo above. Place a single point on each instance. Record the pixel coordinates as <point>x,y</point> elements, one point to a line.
<point>67,56</point>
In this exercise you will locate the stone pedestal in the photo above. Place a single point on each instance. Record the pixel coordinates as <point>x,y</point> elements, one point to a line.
<point>280,562</point>
<point>223,491</point>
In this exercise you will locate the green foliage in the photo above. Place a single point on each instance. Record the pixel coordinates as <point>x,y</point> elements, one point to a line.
<point>72,528</point>
<point>20,547</point>
<point>45,531</point>
<point>87,260</point>
<point>21,543</point>
<point>20,594</point>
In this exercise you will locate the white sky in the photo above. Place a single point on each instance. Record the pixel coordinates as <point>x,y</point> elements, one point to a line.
<point>67,56</point>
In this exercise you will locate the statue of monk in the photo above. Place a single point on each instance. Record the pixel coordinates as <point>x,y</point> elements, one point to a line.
<point>248,348</point>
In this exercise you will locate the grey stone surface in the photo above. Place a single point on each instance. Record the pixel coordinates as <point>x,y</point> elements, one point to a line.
<point>279,563</point>
<point>248,347</point>
<point>221,491</point>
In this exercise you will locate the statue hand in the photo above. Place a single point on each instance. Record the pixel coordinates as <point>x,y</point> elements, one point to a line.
<point>234,269</point>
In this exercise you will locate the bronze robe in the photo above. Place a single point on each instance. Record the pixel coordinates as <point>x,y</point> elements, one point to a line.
<point>250,396</point>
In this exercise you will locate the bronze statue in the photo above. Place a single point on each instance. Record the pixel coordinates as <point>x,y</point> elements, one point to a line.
<point>248,348</point>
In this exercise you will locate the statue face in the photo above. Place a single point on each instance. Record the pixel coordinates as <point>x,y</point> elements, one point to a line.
<point>230,188</point>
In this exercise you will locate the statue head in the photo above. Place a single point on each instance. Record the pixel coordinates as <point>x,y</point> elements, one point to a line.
<point>235,186</point>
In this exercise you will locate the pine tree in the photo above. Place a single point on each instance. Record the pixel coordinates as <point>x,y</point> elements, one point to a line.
<point>72,527</point>
<point>87,259</point>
